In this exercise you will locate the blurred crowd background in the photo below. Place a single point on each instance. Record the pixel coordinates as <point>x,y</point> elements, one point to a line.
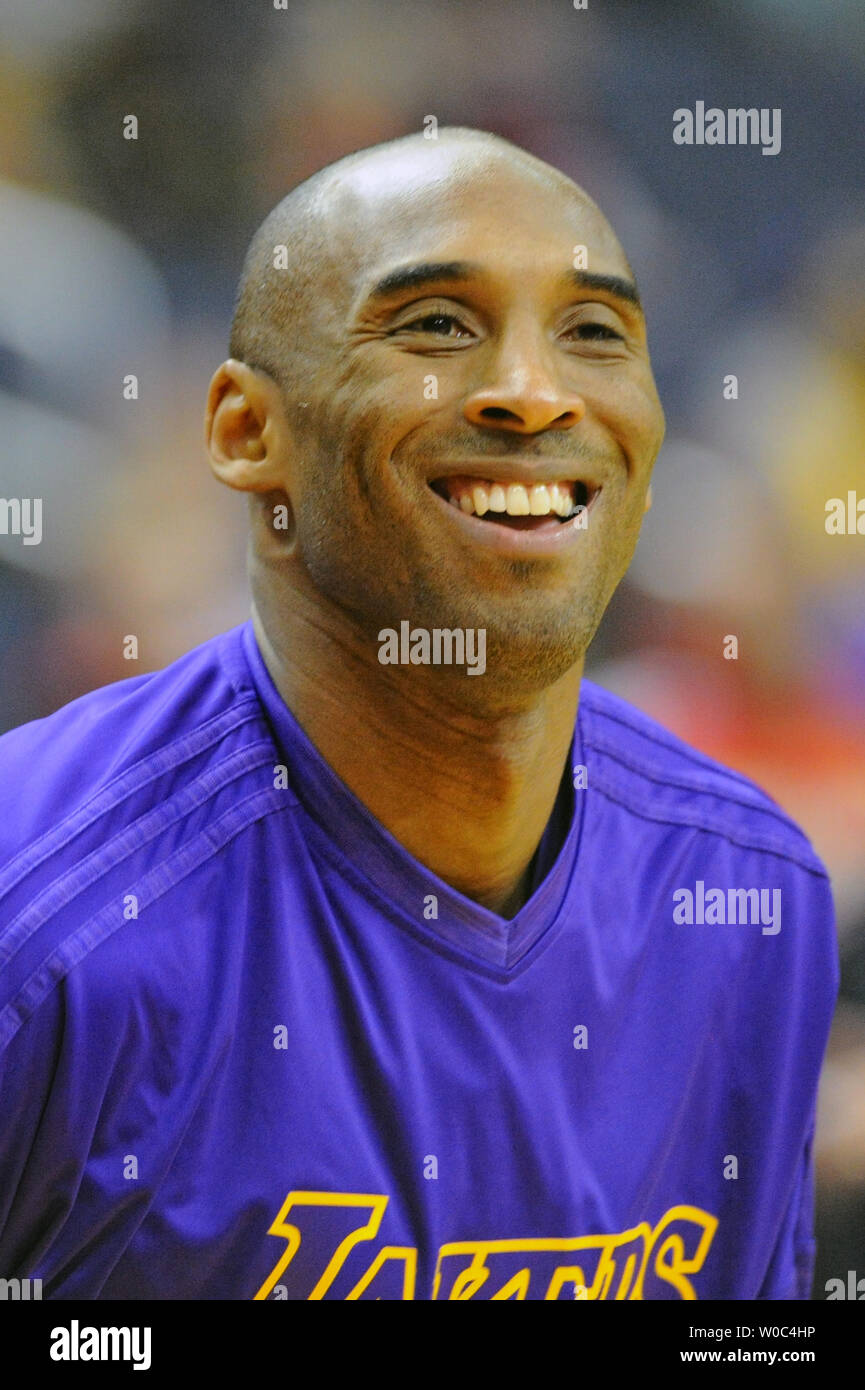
<point>121,256</point>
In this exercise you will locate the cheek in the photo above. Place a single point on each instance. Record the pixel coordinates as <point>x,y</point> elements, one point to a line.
<point>356,427</point>
<point>334,434</point>
<point>344,493</point>
<point>633,414</point>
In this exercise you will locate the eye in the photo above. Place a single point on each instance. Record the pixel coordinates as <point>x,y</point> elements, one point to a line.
<point>442,325</point>
<point>596,331</point>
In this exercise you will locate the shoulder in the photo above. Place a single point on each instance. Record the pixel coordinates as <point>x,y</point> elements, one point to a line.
<point>116,799</point>
<point>712,851</point>
<point>116,742</point>
<point>659,778</point>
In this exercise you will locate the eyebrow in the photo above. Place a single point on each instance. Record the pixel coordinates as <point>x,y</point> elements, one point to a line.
<point>615,285</point>
<point>412,277</point>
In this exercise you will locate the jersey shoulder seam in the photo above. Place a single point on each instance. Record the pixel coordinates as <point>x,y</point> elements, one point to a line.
<point>792,845</point>
<point>127,783</point>
<point>742,840</point>
<point>159,880</point>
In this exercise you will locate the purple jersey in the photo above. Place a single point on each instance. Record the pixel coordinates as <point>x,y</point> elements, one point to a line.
<point>251,1048</point>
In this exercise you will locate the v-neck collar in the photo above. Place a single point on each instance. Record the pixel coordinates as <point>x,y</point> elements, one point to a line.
<point>360,839</point>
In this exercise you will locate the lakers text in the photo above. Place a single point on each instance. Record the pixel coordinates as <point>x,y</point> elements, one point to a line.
<point>346,1255</point>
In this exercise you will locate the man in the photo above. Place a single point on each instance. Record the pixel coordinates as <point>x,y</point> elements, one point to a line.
<point>368,951</point>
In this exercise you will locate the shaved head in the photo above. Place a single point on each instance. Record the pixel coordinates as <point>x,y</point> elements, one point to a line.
<point>277,288</point>
<point>422,319</point>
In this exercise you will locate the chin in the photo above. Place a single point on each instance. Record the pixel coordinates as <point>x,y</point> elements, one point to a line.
<point>530,661</point>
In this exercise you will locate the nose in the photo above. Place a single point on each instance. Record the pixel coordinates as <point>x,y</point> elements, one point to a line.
<point>526,394</point>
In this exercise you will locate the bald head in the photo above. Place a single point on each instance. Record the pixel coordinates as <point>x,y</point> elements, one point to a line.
<point>422,317</point>
<point>311,238</point>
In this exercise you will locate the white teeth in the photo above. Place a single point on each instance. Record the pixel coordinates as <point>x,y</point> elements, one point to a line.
<point>518,500</point>
<point>539,500</point>
<point>560,500</point>
<point>480,499</point>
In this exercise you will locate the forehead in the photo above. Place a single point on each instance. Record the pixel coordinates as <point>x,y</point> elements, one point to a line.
<point>446,203</point>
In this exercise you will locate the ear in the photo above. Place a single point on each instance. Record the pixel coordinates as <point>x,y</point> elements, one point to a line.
<point>245,429</point>
<point>648,498</point>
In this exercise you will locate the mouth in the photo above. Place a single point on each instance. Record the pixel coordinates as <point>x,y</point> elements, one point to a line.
<point>517,506</point>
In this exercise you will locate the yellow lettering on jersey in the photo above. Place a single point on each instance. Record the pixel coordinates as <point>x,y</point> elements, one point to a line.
<point>597,1263</point>
<point>607,1266</point>
<point>407,1254</point>
<point>296,1201</point>
<point>616,1259</point>
<point>670,1261</point>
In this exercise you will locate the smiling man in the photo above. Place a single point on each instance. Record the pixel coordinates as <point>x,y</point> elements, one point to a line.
<point>328,976</point>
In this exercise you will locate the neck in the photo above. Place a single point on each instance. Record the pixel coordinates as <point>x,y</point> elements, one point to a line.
<point>466,789</point>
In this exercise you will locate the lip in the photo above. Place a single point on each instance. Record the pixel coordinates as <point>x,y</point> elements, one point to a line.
<point>514,471</point>
<point>558,539</point>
